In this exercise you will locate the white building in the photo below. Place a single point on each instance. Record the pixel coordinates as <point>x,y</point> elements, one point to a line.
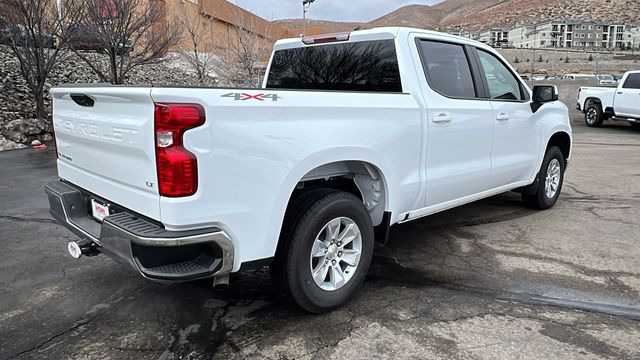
<point>570,34</point>
<point>473,35</point>
<point>495,37</point>
<point>558,34</point>
<point>621,35</point>
<point>635,37</point>
<point>549,34</point>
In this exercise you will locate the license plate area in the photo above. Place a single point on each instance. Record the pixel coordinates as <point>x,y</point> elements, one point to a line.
<point>99,210</point>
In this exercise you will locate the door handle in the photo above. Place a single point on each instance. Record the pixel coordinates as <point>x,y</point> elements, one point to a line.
<point>502,117</point>
<point>442,118</point>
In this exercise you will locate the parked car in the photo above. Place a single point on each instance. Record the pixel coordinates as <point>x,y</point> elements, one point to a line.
<point>350,134</point>
<point>21,38</point>
<point>525,77</point>
<point>83,39</point>
<point>602,103</point>
<point>618,77</point>
<point>606,80</point>
<point>579,77</point>
<point>539,77</point>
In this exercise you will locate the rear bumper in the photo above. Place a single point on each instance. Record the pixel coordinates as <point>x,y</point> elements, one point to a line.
<point>156,253</point>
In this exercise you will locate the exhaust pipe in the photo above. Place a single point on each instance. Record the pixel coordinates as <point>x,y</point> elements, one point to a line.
<point>221,281</point>
<point>82,247</point>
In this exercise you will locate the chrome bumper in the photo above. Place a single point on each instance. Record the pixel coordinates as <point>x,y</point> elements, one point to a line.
<point>156,253</point>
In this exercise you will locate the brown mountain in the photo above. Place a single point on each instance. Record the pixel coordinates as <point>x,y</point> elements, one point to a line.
<point>485,13</point>
<point>413,16</point>
<point>431,17</point>
<point>315,27</point>
<point>526,11</point>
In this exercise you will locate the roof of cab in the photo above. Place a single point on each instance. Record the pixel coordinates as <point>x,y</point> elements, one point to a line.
<point>384,33</point>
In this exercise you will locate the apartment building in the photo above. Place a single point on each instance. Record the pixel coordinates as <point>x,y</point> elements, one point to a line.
<point>469,34</point>
<point>589,35</point>
<point>556,34</point>
<point>635,37</point>
<point>573,34</point>
<point>621,35</point>
<point>522,36</point>
<point>495,37</point>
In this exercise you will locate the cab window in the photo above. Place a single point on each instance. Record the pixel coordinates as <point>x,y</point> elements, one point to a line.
<point>503,85</point>
<point>447,69</point>
<point>632,82</point>
<point>367,66</point>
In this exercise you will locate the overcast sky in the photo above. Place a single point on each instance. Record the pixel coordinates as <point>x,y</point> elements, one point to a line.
<point>334,10</point>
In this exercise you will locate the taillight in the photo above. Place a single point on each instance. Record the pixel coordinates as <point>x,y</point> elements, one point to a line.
<point>177,167</point>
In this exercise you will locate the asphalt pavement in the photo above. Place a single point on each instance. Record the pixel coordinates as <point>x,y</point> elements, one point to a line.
<point>490,280</point>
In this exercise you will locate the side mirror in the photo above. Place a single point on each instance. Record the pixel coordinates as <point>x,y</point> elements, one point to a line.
<point>543,94</point>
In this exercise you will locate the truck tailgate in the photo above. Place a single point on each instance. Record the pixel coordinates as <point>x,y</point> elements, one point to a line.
<point>105,143</point>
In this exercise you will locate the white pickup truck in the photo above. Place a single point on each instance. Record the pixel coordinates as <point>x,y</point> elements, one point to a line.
<point>351,134</point>
<point>602,103</point>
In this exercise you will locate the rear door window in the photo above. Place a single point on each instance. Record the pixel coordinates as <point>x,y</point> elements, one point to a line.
<point>632,82</point>
<point>359,66</point>
<point>447,69</point>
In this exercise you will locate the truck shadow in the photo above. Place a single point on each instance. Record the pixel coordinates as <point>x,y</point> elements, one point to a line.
<point>252,303</point>
<point>417,254</point>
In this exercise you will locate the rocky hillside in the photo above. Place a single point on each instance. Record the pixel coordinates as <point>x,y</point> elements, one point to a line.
<point>315,27</point>
<point>18,128</point>
<point>527,11</point>
<point>476,14</point>
<point>413,16</point>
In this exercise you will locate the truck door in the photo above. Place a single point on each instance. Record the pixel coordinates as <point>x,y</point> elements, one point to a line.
<point>517,138</point>
<point>459,124</point>
<point>627,100</point>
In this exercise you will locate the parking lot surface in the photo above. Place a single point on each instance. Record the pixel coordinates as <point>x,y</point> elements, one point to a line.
<point>490,280</point>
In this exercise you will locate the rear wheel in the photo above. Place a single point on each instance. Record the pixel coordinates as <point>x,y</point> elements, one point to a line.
<point>328,247</point>
<point>593,115</point>
<point>550,181</point>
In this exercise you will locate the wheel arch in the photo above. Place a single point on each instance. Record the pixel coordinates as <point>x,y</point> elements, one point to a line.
<point>346,175</point>
<point>562,140</point>
<point>361,178</point>
<point>591,100</point>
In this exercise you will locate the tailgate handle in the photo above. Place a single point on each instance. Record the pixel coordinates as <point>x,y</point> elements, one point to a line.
<point>82,100</point>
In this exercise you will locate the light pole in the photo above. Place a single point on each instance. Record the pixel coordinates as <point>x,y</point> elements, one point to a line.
<point>305,5</point>
<point>533,61</point>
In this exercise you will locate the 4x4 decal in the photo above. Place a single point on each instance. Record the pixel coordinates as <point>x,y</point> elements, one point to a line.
<point>258,97</point>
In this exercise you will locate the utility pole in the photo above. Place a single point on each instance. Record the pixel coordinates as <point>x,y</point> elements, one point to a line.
<point>533,61</point>
<point>305,6</point>
<point>554,36</point>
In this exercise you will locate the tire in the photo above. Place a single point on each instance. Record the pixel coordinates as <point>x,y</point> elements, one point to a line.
<point>308,224</point>
<point>635,125</point>
<point>593,115</point>
<point>546,198</point>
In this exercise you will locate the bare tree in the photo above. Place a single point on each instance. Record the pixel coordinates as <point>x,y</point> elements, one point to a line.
<point>33,27</point>
<point>131,32</point>
<point>198,33</point>
<point>247,46</point>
